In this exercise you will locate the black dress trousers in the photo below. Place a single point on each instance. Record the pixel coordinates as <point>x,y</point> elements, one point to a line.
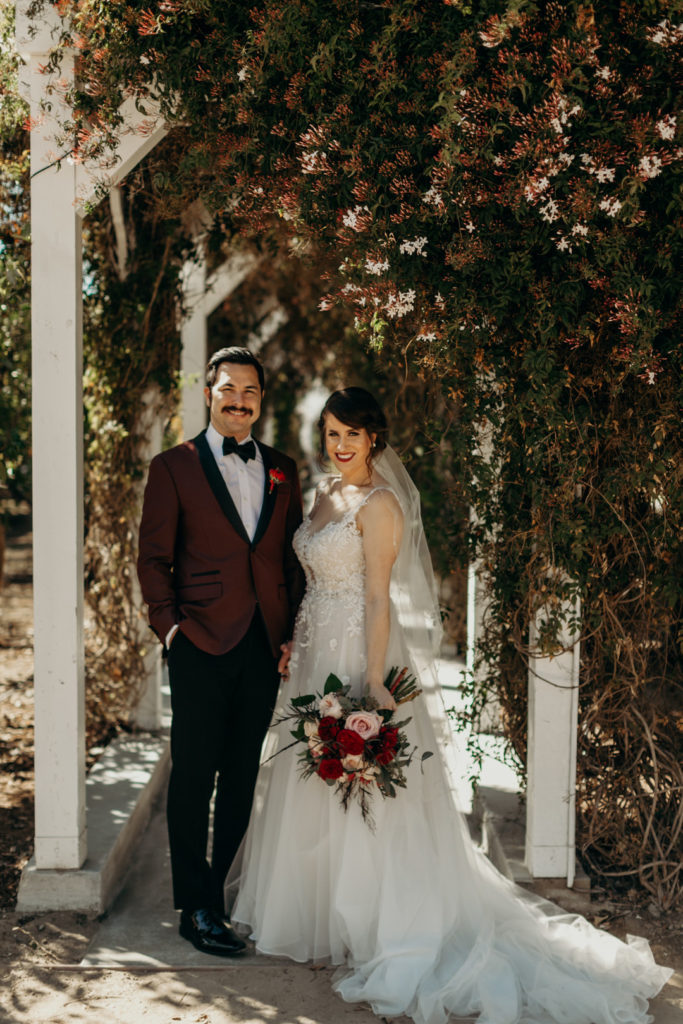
<point>222,707</point>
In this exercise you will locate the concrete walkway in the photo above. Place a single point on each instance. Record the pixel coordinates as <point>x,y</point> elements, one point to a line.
<point>138,969</point>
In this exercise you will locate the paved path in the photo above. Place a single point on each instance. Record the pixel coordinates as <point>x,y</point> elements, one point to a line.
<point>137,970</point>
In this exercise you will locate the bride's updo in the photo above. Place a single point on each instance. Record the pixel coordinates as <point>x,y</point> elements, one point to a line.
<point>357,408</point>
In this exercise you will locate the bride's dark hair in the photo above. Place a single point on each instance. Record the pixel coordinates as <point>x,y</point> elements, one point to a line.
<point>355,407</point>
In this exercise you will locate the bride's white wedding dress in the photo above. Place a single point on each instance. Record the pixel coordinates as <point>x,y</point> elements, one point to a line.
<point>422,921</point>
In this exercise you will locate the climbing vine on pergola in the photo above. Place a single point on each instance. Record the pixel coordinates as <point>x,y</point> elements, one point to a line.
<point>500,191</point>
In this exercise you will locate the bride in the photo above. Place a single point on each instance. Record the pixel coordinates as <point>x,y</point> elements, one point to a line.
<point>422,922</point>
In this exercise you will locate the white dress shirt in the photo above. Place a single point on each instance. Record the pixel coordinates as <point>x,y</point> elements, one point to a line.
<point>245,481</point>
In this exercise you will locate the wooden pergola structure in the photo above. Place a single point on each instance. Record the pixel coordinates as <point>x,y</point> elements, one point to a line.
<point>60,193</point>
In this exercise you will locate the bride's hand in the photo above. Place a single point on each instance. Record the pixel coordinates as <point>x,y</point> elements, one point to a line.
<point>382,696</point>
<point>283,663</point>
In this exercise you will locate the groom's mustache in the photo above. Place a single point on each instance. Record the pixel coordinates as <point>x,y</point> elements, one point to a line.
<point>236,408</point>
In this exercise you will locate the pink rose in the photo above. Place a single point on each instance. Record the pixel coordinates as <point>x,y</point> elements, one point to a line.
<point>329,706</point>
<point>366,723</point>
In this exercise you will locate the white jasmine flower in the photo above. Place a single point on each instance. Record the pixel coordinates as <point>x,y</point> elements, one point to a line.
<point>650,166</point>
<point>610,206</point>
<point>428,336</point>
<point>376,266</point>
<point>243,74</point>
<point>580,229</point>
<point>432,197</point>
<point>667,127</point>
<point>400,304</point>
<point>549,212</point>
<point>604,174</point>
<point>351,217</point>
<point>563,244</point>
<point>414,247</point>
<point>604,73</point>
<point>665,34</point>
<point>311,162</point>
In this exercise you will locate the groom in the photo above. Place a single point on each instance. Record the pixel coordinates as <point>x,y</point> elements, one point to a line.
<point>222,584</point>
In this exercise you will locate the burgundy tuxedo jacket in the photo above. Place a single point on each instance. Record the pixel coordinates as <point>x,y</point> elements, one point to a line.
<point>197,566</point>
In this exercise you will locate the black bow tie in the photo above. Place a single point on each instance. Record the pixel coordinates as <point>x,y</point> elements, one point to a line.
<point>246,451</point>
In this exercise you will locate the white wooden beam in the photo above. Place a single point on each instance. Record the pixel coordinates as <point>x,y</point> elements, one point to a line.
<point>551,756</point>
<point>140,133</point>
<point>142,129</point>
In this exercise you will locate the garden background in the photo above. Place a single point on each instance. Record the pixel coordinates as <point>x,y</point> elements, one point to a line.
<point>476,212</point>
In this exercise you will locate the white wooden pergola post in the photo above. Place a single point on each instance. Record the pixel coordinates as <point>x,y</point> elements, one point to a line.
<point>57,496</point>
<point>551,755</point>
<point>201,297</point>
<point>553,681</point>
<point>59,191</point>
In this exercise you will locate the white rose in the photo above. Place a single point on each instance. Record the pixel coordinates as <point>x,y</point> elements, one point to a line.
<point>311,729</point>
<point>329,706</point>
<point>352,762</point>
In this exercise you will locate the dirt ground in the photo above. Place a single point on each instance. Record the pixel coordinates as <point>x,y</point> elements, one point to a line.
<point>33,946</point>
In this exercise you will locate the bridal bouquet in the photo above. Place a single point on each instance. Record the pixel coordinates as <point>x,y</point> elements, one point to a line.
<point>353,744</point>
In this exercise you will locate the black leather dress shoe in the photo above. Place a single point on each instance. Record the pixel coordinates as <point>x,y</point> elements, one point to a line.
<point>208,933</point>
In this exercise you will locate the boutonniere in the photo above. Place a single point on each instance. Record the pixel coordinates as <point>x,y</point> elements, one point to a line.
<point>275,476</point>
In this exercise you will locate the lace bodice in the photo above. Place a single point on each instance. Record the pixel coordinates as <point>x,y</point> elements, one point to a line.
<point>332,557</point>
<point>334,603</point>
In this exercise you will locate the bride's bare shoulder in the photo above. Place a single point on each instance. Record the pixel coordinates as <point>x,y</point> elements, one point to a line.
<point>381,503</point>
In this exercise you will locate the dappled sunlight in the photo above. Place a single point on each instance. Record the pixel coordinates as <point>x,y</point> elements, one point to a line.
<point>296,994</point>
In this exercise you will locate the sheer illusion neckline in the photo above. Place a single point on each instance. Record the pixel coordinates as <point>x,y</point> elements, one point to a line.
<point>350,513</point>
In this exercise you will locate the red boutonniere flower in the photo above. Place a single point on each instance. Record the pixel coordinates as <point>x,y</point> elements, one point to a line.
<point>275,476</point>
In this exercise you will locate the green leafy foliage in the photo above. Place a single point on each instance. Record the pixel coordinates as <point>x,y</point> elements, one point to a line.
<point>492,193</point>
<point>15,279</point>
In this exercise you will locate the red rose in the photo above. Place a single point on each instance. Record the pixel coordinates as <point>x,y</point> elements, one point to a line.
<point>386,756</point>
<point>328,728</point>
<point>330,768</point>
<point>350,742</point>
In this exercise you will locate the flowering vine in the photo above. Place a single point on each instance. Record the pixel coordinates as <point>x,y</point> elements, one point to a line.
<point>495,194</point>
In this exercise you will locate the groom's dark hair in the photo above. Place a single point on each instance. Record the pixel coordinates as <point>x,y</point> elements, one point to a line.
<point>233,354</point>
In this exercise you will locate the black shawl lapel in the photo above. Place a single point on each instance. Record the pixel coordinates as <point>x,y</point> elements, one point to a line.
<point>269,497</point>
<point>217,485</point>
